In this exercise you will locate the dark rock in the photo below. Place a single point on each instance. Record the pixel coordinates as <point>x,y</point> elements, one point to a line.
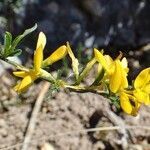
<point>121,24</point>
<point>61,22</point>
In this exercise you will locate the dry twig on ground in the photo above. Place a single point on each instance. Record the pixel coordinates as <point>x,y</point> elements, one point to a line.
<point>33,119</point>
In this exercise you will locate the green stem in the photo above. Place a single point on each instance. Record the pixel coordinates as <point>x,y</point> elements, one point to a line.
<point>82,89</point>
<point>47,76</point>
<point>44,74</point>
<point>85,71</point>
<point>16,65</point>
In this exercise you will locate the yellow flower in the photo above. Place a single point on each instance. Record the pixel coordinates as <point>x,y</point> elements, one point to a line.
<point>105,60</point>
<point>28,79</point>
<point>118,79</point>
<point>55,56</point>
<point>116,71</point>
<point>142,87</point>
<point>130,101</point>
<point>129,104</point>
<point>30,75</point>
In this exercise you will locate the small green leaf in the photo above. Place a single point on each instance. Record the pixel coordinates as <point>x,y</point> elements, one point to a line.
<point>115,101</point>
<point>7,41</point>
<point>30,30</point>
<point>86,70</point>
<point>16,52</point>
<point>75,62</point>
<point>99,77</point>
<point>9,47</point>
<point>1,51</point>
<point>18,39</point>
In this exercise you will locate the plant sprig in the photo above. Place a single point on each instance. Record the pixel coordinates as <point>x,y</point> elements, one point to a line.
<point>110,80</point>
<point>9,48</point>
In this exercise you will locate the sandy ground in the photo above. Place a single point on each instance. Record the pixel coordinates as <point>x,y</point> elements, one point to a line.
<point>61,118</point>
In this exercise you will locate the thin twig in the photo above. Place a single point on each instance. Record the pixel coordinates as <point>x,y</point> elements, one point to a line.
<point>110,128</point>
<point>11,146</point>
<point>82,131</point>
<point>33,119</point>
<point>117,121</point>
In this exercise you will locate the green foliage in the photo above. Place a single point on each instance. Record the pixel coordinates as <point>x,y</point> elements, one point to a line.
<point>65,70</point>
<point>9,48</point>
<point>7,40</point>
<point>115,101</point>
<point>81,51</point>
<point>55,88</point>
<point>99,77</point>
<point>12,4</point>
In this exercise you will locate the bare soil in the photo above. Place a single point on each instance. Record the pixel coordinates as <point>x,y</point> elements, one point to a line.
<point>61,118</point>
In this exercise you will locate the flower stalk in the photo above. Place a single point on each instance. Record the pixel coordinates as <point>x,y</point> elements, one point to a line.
<point>110,79</point>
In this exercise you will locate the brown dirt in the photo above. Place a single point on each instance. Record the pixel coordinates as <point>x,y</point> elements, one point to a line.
<point>61,116</point>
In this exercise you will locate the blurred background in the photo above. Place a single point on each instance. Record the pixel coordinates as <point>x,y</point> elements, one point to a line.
<point>114,25</point>
<point>123,24</point>
<point>110,24</point>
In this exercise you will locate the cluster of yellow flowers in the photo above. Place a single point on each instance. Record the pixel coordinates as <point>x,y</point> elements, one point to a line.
<point>30,75</point>
<point>116,72</point>
<point>113,75</point>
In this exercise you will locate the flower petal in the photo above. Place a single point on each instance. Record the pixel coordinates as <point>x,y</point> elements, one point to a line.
<point>16,87</point>
<point>101,59</point>
<point>126,104</point>
<point>41,40</point>
<point>129,104</point>
<point>124,82</point>
<point>142,79</point>
<point>136,108</point>
<point>141,96</point>
<point>38,54</point>
<point>38,58</point>
<point>55,56</point>
<point>116,77</point>
<point>147,88</point>
<point>20,74</point>
<point>124,62</point>
<point>25,83</point>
